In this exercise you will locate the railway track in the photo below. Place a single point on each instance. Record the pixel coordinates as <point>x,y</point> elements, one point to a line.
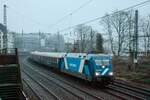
<point>100,94</point>
<point>113,90</point>
<point>137,89</point>
<point>54,97</point>
<point>53,79</point>
<point>32,90</point>
<point>132,91</point>
<point>117,94</point>
<point>126,92</point>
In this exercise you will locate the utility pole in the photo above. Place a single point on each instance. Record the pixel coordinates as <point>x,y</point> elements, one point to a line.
<point>91,40</point>
<point>58,41</point>
<point>23,44</point>
<point>5,24</point>
<point>135,39</point>
<point>39,40</point>
<point>81,49</point>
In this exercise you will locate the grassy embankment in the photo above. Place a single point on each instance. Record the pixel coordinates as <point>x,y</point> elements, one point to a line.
<point>141,74</point>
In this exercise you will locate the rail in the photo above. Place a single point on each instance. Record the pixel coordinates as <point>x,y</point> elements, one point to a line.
<point>113,90</point>
<point>52,78</point>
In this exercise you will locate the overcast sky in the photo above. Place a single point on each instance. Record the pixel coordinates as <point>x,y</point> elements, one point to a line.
<point>35,15</point>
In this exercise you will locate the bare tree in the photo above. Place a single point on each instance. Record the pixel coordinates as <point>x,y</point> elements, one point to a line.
<point>91,39</point>
<point>108,28</point>
<point>146,32</point>
<point>130,22</point>
<point>119,23</point>
<point>117,28</point>
<point>83,35</point>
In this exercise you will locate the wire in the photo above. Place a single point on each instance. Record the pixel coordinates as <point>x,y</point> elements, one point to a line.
<point>29,18</point>
<point>76,10</point>
<point>92,20</point>
<point>82,6</point>
<point>71,13</point>
<point>60,20</point>
<point>4,1</point>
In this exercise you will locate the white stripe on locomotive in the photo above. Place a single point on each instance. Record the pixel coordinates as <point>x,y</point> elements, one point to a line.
<point>104,72</point>
<point>81,65</point>
<point>65,60</point>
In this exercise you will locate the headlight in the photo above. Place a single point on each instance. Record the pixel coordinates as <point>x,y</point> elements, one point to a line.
<point>111,73</point>
<point>103,66</point>
<point>97,74</point>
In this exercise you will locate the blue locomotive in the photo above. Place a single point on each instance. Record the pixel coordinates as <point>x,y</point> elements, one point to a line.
<point>91,67</point>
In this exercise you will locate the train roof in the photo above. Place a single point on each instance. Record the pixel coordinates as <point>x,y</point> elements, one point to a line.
<point>76,55</point>
<point>60,55</point>
<point>49,54</point>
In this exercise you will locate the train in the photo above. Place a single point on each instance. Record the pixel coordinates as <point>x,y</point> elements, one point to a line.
<point>94,68</point>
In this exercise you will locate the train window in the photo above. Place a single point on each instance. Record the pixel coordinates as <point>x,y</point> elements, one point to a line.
<point>102,62</point>
<point>105,62</point>
<point>98,62</point>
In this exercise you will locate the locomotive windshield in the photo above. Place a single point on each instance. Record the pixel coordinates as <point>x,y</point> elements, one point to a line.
<point>106,62</point>
<point>102,62</point>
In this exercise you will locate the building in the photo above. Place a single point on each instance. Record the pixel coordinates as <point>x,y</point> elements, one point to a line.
<point>1,39</point>
<point>10,39</point>
<point>27,42</point>
<point>2,32</point>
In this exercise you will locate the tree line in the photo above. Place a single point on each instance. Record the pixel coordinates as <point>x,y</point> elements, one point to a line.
<point>119,28</point>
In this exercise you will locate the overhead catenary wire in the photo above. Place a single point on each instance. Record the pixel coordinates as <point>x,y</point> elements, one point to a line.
<point>4,1</point>
<point>71,13</point>
<point>28,18</point>
<point>95,19</point>
<point>58,21</point>
<point>89,21</point>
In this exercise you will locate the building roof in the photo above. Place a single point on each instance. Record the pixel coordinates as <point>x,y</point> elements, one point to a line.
<point>3,28</point>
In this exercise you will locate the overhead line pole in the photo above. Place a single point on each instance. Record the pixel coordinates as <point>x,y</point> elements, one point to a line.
<point>136,39</point>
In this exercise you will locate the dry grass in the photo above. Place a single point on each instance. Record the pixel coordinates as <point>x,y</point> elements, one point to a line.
<point>140,74</point>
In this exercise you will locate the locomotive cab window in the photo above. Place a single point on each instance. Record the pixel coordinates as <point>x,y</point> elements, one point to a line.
<point>102,62</point>
<point>106,62</point>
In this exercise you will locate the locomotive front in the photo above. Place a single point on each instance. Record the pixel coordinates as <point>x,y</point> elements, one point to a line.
<point>103,68</point>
